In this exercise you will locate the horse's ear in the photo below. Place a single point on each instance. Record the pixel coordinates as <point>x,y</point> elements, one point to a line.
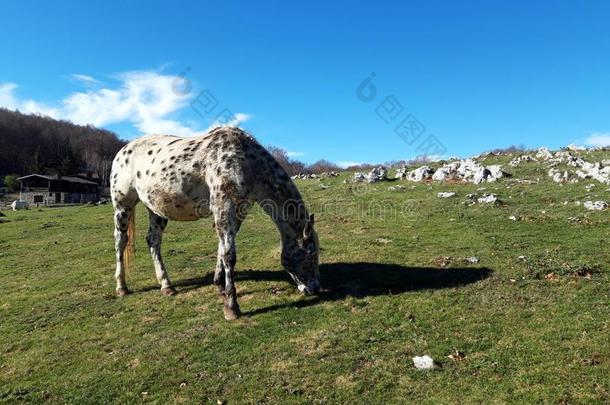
<point>308,227</point>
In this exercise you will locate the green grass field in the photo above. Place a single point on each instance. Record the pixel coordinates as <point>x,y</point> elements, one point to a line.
<point>396,284</point>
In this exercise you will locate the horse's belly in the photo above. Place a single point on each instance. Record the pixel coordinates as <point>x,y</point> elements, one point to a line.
<point>178,205</point>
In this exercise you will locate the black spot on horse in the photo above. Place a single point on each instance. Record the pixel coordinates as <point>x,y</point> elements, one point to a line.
<point>150,152</point>
<point>138,174</point>
<point>173,142</point>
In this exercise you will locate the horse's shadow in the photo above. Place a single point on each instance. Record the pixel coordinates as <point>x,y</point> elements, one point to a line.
<point>340,280</point>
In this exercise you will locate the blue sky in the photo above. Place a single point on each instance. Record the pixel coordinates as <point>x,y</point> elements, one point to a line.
<point>475,75</point>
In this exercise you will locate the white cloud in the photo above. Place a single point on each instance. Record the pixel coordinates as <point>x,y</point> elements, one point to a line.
<point>295,154</point>
<point>598,139</point>
<point>88,80</point>
<point>7,99</point>
<point>146,99</point>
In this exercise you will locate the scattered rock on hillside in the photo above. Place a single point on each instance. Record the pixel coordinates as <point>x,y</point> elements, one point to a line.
<point>595,205</point>
<point>599,171</point>
<point>445,194</point>
<point>329,174</point>
<point>559,177</point>
<point>488,199</point>
<point>544,153</point>
<point>315,176</point>
<point>305,176</point>
<point>359,177</point>
<point>396,188</point>
<point>518,160</point>
<point>420,174</point>
<point>377,174</point>
<point>466,170</point>
<point>469,171</point>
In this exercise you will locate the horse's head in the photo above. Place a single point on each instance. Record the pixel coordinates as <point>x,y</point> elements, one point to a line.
<point>300,259</point>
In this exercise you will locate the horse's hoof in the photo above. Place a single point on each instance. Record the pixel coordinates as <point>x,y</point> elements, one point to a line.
<point>231,314</point>
<point>123,291</point>
<point>168,291</point>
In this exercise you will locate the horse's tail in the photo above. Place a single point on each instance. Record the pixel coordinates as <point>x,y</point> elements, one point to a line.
<point>130,249</point>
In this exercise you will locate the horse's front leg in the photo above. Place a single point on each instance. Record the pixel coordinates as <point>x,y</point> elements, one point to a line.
<point>226,227</point>
<point>121,223</point>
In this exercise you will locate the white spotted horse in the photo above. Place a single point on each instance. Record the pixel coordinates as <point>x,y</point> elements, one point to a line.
<point>220,174</point>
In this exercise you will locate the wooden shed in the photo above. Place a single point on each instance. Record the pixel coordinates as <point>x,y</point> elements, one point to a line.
<point>48,190</point>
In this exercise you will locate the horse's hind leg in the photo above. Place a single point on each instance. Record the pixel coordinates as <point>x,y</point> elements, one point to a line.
<point>225,219</point>
<point>154,238</point>
<point>219,273</point>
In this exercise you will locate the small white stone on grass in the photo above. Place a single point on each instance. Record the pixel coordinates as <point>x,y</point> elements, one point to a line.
<point>595,205</point>
<point>512,218</point>
<point>446,194</point>
<point>472,259</point>
<point>423,362</point>
<point>488,199</point>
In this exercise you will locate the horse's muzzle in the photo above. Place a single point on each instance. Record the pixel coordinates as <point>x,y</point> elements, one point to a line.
<point>310,289</point>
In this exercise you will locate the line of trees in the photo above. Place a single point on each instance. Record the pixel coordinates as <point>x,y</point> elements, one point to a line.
<point>293,166</point>
<point>37,144</point>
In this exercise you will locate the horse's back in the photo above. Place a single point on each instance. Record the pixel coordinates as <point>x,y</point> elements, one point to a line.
<point>173,176</point>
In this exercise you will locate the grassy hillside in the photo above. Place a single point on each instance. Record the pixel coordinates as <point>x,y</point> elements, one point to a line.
<point>396,284</point>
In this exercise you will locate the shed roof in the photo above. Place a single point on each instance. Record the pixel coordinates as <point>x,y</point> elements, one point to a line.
<point>69,179</point>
